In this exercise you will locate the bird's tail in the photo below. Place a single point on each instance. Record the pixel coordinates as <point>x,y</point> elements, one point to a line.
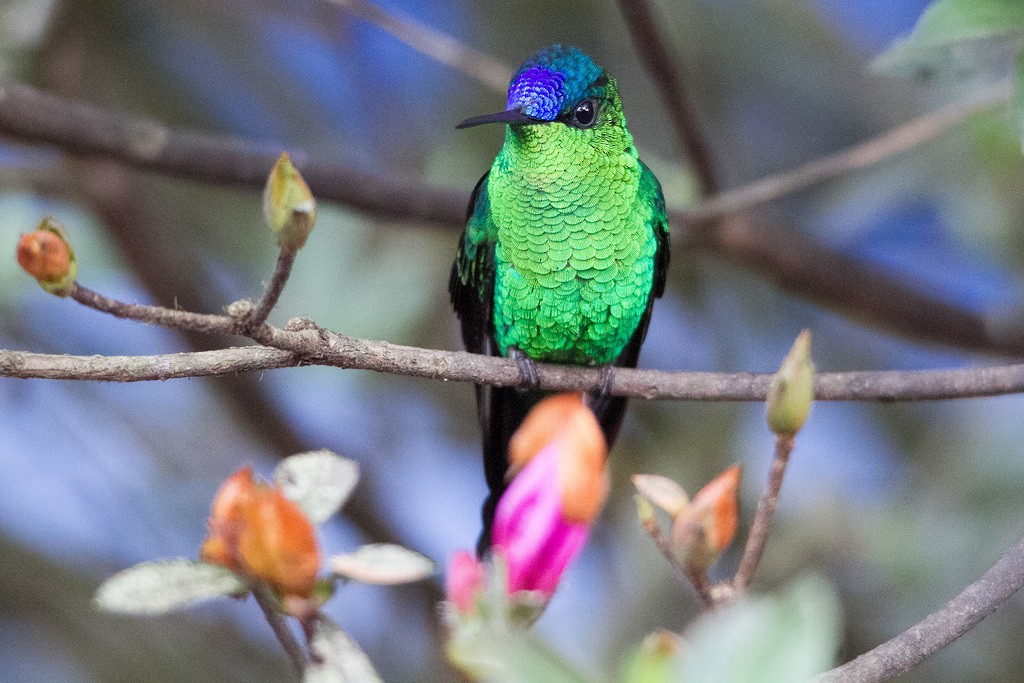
<point>502,411</point>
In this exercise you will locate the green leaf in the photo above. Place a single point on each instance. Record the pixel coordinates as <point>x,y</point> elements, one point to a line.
<point>165,585</point>
<point>382,564</point>
<point>341,660</point>
<point>955,33</point>
<point>786,637</point>
<point>655,661</point>
<point>487,651</point>
<point>1018,98</point>
<point>319,482</point>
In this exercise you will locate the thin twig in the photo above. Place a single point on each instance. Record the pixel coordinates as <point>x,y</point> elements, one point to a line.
<point>438,46</point>
<point>647,41</point>
<point>283,268</point>
<point>939,629</point>
<point>154,315</point>
<point>762,525</point>
<point>900,139</point>
<point>291,646</point>
<point>699,580</point>
<point>701,584</point>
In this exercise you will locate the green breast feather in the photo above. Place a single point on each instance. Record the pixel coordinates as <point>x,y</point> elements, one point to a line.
<point>575,252</point>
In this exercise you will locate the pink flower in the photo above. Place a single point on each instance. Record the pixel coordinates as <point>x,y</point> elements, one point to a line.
<point>543,518</point>
<point>464,581</point>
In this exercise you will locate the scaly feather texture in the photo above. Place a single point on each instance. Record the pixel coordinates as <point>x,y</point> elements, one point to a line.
<point>566,243</point>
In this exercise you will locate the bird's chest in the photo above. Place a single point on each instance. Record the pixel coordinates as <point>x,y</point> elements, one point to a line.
<point>573,264</point>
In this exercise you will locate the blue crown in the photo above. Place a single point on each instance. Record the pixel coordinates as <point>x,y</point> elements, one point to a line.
<point>551,81</point>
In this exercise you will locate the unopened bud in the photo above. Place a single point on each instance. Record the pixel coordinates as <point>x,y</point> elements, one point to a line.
<point>702,532</point>
<point>256,531</point>
<point>792,389</point>
<point>465,582</point>
<point>288,205</point>
<point>661,491</point>
<point>46,255</point>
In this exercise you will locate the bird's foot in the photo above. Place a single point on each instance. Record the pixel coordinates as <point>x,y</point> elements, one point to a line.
<point>529,380</point>
<point>607,383</point>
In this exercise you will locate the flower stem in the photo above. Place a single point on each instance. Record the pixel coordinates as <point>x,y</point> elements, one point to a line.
<point>762,525</point>
<point>285,260</point>
<point>268,603</point>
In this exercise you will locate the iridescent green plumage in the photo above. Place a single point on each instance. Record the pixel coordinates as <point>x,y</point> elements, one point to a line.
<point>566,244</point>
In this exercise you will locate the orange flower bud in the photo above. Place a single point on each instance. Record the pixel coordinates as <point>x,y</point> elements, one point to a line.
<point>706,527</point>
<point>560,484</point>
<point>46,255</point>
<point>256,531</point>
<point>583,476</point>
<point>226,519</point>
<point>277,544</point>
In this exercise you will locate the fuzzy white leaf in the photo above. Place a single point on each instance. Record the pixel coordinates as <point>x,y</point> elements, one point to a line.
<point>319,482</point>
<point>165,585</point>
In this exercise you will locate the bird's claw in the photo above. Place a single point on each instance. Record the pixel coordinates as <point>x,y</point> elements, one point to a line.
<point>607,383</point>
<point>528,377</point>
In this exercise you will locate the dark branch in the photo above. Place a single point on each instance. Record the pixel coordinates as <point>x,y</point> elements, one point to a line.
<point>796,262</point>
<point>939,629</point>
<point>33,116</point>
<point>267,602</point>
<point>655,56</point>
<point>875,295</point>
<point>259,315</point>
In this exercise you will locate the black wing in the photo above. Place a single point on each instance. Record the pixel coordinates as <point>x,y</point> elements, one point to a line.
<point>500,410</point>
<point>611,409</point>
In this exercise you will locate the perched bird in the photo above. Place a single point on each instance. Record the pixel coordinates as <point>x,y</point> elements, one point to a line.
<point>565,247</point>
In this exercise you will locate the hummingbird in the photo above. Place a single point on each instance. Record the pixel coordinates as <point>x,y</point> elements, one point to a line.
<point>565,247</point>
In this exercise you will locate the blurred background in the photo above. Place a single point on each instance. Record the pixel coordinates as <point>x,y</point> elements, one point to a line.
<point>899,506</point>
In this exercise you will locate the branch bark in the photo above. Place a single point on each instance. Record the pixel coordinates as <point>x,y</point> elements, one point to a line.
<point>82,129</point>
<point>302,343</point>
<point>939,629</point>
<point>765,514</point>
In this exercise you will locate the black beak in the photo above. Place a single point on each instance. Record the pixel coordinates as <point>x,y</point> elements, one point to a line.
<point>509,116</point>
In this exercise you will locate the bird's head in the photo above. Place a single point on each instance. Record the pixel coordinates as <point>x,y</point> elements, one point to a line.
<point>560,93</point>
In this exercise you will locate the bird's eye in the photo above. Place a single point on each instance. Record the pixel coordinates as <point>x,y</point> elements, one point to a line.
<point>584,114</point>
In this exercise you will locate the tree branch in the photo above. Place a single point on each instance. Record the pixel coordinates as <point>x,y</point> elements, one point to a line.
<point>900,139</point>
<point>655,56</point>
<point>875,295</point>
<point>939,629</point>
<point>282,270</point>
<point>796,262</point>
<point>438,46</point>
<point>302,343</point>
<point>30,115</point>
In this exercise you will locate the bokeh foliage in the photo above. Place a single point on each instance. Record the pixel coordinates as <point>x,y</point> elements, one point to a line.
<point>898,506</point>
